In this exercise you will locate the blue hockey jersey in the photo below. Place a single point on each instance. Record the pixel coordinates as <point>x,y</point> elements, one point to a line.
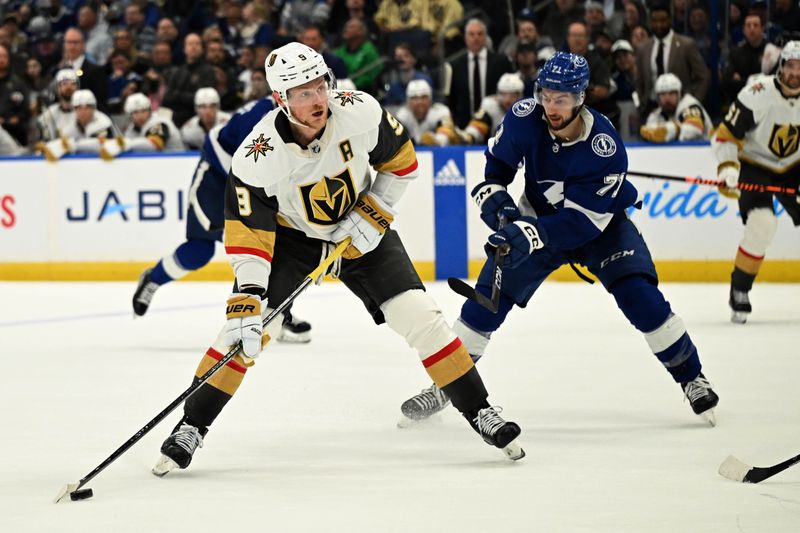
<point>573,188</point>
<point>223,140</point>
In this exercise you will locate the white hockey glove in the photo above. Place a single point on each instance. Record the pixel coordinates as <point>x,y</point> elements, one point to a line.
<point>728,175</point>
<point>244,323</point>
<point>365,224</point>
<point>55,149</point>
<point>111,148</point>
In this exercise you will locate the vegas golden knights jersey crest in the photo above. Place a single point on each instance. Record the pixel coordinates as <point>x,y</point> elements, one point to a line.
<point>783,140</point>
<point>327,201</point>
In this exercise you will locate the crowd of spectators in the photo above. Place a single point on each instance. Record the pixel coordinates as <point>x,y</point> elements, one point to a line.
<point>167,50</point>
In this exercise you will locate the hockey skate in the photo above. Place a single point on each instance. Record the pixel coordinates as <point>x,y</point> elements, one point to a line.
<point>422,406</point>
<point>179,448</point>
<point>294,330</point>
<point>739,302</point>
<point>702,398</point>
<point>144,293</point>
<point>497,432</point>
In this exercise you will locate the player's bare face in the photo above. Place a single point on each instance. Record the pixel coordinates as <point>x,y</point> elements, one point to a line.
<point>84,114</point>
<point>140,117</point>
<point>790,76</point>
<point>668,102</point>
<point>558,107</point>
<point>309,103</point>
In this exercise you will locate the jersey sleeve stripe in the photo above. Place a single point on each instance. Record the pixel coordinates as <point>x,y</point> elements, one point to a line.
<point>403,162</point>
<point>241,250</point>
<point>249,241</point>
<point>726,135</point>
<point>600,220</point>
<point>157,141</point>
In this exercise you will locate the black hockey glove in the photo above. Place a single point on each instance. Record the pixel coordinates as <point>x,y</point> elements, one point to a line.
<point>524,237</point>
<point>494,201</point>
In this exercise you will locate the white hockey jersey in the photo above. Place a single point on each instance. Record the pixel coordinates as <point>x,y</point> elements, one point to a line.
<point>763,125</point>
<point>99,127</point>
<point>157,134</point>
<point>438,115</point>
<point>486,119</point>
<point>194,134</point>
<point>274,181</point>
<point>54,121</point>
<point>689,122</point>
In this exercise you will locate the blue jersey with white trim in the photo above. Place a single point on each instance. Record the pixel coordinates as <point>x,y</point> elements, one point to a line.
<point>224,139</point>
<point>573,188</point>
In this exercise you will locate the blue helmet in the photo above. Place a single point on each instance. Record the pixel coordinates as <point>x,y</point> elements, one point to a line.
<point>565,72</point>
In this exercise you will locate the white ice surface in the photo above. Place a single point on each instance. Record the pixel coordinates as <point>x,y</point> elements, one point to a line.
<point>309,443</point>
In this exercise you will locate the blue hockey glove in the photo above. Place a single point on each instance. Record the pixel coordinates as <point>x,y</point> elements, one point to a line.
<point>494,202</point>
<point>523,237</point>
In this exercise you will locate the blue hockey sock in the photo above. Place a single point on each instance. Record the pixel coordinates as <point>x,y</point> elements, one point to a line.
<point>191,255</point>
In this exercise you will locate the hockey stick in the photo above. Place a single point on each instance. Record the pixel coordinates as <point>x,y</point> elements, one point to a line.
<point>752,187</point>
<point>460,287</point>
<point>733,468</point>
<point>74,489</point>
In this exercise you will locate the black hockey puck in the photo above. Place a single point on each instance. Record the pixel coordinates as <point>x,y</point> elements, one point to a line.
<point>83,494</point>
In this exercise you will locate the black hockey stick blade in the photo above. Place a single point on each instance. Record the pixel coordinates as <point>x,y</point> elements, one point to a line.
<point>470,293</point>
<point>734,469</point>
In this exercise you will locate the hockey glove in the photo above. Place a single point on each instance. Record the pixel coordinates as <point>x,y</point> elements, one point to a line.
<point>494,201</point>
<point>244,323</point>
<point>365,224</point>
<point>523,237</point>
<point>728,175</point>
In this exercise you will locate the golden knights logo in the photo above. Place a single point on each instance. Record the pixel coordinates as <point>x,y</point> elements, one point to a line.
<point>328,200</point>
<point>783,140</point>
<point>347,97</point>
<point>257,147</point>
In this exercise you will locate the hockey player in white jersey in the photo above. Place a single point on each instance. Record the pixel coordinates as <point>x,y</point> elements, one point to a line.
<point>489,116</point>
<point>299,183</point>
<point>148,131</point>
<point>206,105</point>
<point>678,117</point>
<point>421,116</point>
<point>55,118</point>
<point>90,132</point>
<point>757,143</point>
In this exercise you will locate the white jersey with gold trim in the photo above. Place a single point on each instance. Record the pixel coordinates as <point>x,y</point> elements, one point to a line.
<point>438,115</point>
<point>764,125</point>
<point>161,133</point>
<point>690,115</point>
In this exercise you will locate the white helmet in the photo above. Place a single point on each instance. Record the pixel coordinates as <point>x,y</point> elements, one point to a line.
<point>667,83</point>
<point>83,97</point>
<point>791,50</point>
<point>418,88</point>
<point>510,83</point>
<point>66,74</point>
<point>206,96</point>
<point>136,102</point>
<point>292,65</point>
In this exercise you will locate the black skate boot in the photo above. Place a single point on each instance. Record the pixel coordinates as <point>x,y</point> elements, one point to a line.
<point>423,405</point>
<point>496,431</point>
<point>144,293</point>
<point>179,447</point>
<point>701,397</point>
<point>739,301</point>
<point>294,330</point>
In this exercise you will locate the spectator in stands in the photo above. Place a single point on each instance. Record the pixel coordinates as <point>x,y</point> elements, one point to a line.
<point>88,133</point>
<point>14,100</point>
<point>312,37</point>
<point>405,69</point>
<point>526,32</point>
<point>167,32</point>
<point>45,48</point>
<point>186,79</point>
<point>640,35</point>
<point>37,84</point>
<point>206,104</point>
<point>360,56</point>
<point>698,30</point>
<point>668,52</point>
<point>344,10</point>
<point>299,14</point>
<point>634,15</point>
<point>18,41</point>
<point>98,40</point>
<point>598,94</point>
<point>745,59</point>
<point>421,117</point>
<point>624,78</point>
<point>786,15</point>
<point>736,13</point>
<point>594,17</point>
<point>404,21</point>
<point>258,86</point>
<point>257,29</point>
<point>154,83</point>
<point>444,21</point>
<point>217,57</point>
<point>559,15</point>
<point>473,75</point>
<point>122,82</point>
<point>527,62</point>
<point>679,117</point>
<point>148,131</point>
<point>231,23</point>
<point>59,16</point>
<point>18,59</point>
<point>57,116</point>
<point>124,42</point>
<point>91,76</point>
<point>144,36</point>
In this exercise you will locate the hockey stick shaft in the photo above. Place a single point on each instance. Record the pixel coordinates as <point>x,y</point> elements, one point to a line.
<point>144,430</point>
<point>758,474</point>
<point>742,186</point>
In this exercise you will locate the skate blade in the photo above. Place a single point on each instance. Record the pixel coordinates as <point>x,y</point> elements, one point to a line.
<point>514,451</point>
<point>737,317</point>
<point>66,489</point>
<point>709,417</point>
<point>732,468</point>
<point>164,466</point>
<point>406,422</point>
<point>294,338</point>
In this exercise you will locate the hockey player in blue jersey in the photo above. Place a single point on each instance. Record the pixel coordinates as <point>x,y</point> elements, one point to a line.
<point>573,210</point>
<point>205,218</point>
